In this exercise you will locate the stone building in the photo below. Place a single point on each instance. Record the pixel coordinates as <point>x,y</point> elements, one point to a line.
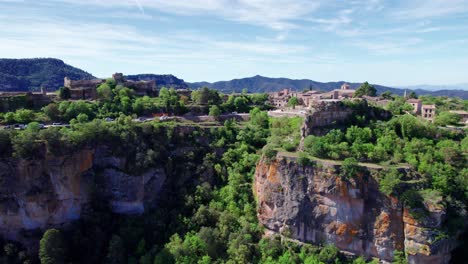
<point>281,98</point>
<point>344,92</point>
<point>417,105</point>
<point>141,88</point>
<point>82,89</point>
<point>428,112</point>
<point>87,89</point>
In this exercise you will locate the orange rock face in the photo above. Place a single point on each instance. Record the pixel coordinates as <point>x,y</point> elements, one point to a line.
<point>318,206</point>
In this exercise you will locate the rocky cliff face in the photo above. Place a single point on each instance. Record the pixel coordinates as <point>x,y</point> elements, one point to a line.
<point>314,204</point>
<point>36,194</point>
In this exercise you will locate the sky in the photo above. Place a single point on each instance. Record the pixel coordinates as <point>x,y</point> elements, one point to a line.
<point>388,42</point>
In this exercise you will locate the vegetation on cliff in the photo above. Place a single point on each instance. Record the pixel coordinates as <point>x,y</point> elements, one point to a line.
<point>209,218</point>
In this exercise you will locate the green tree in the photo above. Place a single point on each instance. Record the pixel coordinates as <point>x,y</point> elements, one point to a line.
<point>293,101</point>
<point>387,95</point>
<point>52,111</point>
<point>206,96</point>
<point>214,111</point>
<point>105,91</point>
<point>389,181</point>
<point>365,89</point>
<point>51,247</point>
<point>447,118</point>
<point>82,118</point>
<point>241,104</point>
<point>349,168</point>
<point>9,117</point>
<point>24,116</point>
<point>64,93</point>
<point>412,95</point>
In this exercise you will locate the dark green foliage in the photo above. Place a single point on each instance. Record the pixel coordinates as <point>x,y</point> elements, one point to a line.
<point>293,101</point>
<point>447,118</point>
<point>303,159</point>
<point>51,249</point>
<point>206,96</point>
<point>64,93</point>
<point>365,89</point>
<point>349,168</point>
<point>214,111</point>
<point>399,106</point>
<point>285,133</point>
<point>32,74</point>
<point>389,181</point>
<point>399,258</point>
<point>412,95</point>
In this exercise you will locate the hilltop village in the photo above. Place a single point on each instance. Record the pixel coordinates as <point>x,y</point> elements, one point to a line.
<point>286,102</point>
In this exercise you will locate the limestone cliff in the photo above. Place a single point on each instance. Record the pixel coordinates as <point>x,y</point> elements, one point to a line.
<point>36,194</point>
<point>314,204</point>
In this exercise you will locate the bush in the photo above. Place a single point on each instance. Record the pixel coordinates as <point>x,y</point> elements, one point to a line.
<point>349,168</point>
<point>269,152</point>
<point>389,181</point>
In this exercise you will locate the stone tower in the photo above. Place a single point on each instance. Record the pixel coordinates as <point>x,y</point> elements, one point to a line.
<point>118,77</point>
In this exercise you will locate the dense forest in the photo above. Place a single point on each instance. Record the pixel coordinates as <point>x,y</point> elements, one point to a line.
<point>32,74</point>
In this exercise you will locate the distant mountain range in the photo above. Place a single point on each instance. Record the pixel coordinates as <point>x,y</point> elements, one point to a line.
<point>430,87</point>
<point>264,84</point>
<point>31,74</point>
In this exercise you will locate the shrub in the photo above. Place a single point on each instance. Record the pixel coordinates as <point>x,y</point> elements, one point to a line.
<point>349,168</point>
<point>389,181</point>
<point>303,159</point>
<point>269,152</point>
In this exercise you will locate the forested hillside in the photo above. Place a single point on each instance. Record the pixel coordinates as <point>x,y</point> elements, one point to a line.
<point>32,74</point>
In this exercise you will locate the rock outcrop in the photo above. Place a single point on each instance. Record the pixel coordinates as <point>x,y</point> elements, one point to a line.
<point>314,204</point>
<point>36,194</point>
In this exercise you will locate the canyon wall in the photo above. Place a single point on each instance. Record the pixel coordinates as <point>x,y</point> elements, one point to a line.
<point>36,194</point>
<point>312,203</point>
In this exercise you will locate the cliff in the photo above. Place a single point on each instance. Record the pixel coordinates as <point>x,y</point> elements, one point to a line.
<point>55,190</point>
<point>314,204</point>
<point>37,194</point>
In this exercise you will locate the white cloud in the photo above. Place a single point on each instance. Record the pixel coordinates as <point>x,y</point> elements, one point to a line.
<point>421,9</point>
<point>390,46</point>
<point>275,14</point>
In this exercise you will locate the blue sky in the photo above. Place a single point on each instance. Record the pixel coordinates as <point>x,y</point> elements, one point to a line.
<point>386,42</point>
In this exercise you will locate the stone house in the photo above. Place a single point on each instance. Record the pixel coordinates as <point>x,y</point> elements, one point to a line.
<point>417,105</point>
<point>428,112</point>
<point>87,89</point>
<point>281,98</point>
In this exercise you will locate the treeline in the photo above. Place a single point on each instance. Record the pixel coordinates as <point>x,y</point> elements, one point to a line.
<point>115,100</point>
